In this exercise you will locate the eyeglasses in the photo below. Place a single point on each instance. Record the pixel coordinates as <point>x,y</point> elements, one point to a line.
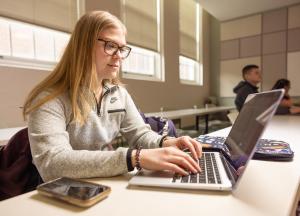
<point>111,48</point>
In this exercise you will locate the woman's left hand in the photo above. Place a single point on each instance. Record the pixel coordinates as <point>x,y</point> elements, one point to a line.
<point>185,142</point>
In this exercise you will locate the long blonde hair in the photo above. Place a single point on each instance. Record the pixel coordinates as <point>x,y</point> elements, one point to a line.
<point>76,73</point>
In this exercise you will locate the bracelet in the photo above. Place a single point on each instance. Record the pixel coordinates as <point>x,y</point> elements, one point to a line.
<point>128,160</point>
<point>162,140</point>
<point>137,158</point>
<point>166,137</point>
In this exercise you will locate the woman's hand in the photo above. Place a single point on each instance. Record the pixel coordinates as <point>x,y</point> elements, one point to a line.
<point>185,142</point>
<point>286,103</point>
<point>294,110</point>
<point>168,158</point>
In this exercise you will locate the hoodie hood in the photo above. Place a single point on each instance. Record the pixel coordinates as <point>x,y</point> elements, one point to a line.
<point>238,86</point>
<point>242,84</point>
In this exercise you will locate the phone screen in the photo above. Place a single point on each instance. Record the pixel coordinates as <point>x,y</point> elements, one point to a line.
<point>74,188</point>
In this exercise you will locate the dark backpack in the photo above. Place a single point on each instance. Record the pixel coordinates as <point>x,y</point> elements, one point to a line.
<point>18,174</point>
<point>160,125</point>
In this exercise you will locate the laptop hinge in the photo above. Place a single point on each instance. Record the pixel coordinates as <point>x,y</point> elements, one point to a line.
<point>230,171</point>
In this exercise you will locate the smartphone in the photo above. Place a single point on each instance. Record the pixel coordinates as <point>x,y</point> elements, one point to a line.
<point>74,191</point>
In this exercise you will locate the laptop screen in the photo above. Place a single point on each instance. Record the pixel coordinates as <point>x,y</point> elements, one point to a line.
<point>258,109</point>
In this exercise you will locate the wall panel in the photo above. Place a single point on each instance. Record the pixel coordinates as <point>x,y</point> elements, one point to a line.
<point>231,74</point>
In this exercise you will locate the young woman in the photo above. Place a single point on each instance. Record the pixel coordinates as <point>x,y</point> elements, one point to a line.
<point>286,104</point>
<point>76,112</point>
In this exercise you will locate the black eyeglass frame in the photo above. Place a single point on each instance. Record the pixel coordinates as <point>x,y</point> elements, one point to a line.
<point>128,49</point>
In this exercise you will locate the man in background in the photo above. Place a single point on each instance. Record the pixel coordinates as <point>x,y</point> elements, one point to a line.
<point>251,76</point>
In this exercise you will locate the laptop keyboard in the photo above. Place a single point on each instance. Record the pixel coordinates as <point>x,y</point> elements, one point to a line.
<point>209,174</point>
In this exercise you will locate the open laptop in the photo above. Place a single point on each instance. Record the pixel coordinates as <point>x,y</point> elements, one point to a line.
<point>221,170</point>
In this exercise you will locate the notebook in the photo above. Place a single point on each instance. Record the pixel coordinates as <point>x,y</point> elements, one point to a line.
<point>223,170</point>
<point>266,149</point>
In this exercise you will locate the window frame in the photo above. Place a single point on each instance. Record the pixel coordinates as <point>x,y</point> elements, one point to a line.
<point>8,60</point>
<point>159,67</point>
<point>33,62</point>
<point>198,73</point>
<point>198,68</point>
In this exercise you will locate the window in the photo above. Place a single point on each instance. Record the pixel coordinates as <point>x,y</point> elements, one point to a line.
<point>54,14</point>
<point>40,43</point>
<point>44,45</point>
<point>190,59</point>
<point>141,61</point>
<point>5,48</point>
<point>143,21</point>
<point>30,46</point>
<point>188,69</point>
<point>22,43</point>
<point>60,41</point>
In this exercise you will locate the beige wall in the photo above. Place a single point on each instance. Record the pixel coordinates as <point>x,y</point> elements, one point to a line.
<point>15,84</point>
<point>270,39</point>
<point>149,96</point>
<point>214,56</point>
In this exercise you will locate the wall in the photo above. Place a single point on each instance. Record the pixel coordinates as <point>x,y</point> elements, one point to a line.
<point>270,39</point>
<point>214,56</point>
<point>15,84</point>
<point>149,96</point>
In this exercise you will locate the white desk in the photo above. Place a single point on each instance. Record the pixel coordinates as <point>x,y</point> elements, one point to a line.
<point>267,188</point>
<point>177,114</point>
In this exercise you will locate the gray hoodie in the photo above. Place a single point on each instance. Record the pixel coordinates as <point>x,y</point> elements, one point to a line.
<point>61,147</point>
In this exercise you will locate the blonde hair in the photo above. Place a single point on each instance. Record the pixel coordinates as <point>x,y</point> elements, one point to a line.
<point>76,73</point>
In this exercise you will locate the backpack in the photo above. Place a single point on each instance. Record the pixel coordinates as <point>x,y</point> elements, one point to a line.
<point>160,125</point>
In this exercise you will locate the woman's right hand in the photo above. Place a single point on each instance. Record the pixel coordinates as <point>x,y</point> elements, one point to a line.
<point>168,158</point>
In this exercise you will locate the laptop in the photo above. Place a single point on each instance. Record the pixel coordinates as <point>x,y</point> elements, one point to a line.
<point>223,170</point>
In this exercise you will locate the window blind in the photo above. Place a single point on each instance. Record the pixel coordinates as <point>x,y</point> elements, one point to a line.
<point>188,28</point>
<point>55,14</point>
<point>140,18</point>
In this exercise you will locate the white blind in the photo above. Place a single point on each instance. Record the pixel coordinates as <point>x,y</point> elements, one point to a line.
<point>140,17</point>
<point>188,28</point>
<point>55,14</point>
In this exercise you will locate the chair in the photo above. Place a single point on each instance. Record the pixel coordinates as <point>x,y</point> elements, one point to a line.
<point>216,121</point>
<point>17,172</point>
<point>187,132</point>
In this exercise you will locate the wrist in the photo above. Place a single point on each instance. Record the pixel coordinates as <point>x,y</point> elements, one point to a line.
<point>133,159</point>
<point>137,158</point>
<point>164,139</point>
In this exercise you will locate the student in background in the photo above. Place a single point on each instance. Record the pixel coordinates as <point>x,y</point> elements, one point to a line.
<point>286,105</point>
<point>252,76</point>
<point>77,111</point>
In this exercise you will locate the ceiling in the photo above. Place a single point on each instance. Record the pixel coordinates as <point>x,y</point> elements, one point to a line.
<point>231,9</point>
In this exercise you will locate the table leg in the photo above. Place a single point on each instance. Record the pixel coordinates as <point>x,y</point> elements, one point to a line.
<point>206,124</point>
<point>197,123</point>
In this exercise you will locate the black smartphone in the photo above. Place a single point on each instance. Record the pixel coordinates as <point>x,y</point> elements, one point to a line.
<point>74,191</point>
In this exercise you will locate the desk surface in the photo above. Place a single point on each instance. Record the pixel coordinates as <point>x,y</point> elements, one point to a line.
<point>174,114</point>
<point>267,188</point>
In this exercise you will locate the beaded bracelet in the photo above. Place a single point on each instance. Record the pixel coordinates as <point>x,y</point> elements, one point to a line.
<point>137,158</point>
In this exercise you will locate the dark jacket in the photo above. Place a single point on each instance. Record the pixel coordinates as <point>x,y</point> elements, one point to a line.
<point>282,110</point>
<point>242,90</point>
